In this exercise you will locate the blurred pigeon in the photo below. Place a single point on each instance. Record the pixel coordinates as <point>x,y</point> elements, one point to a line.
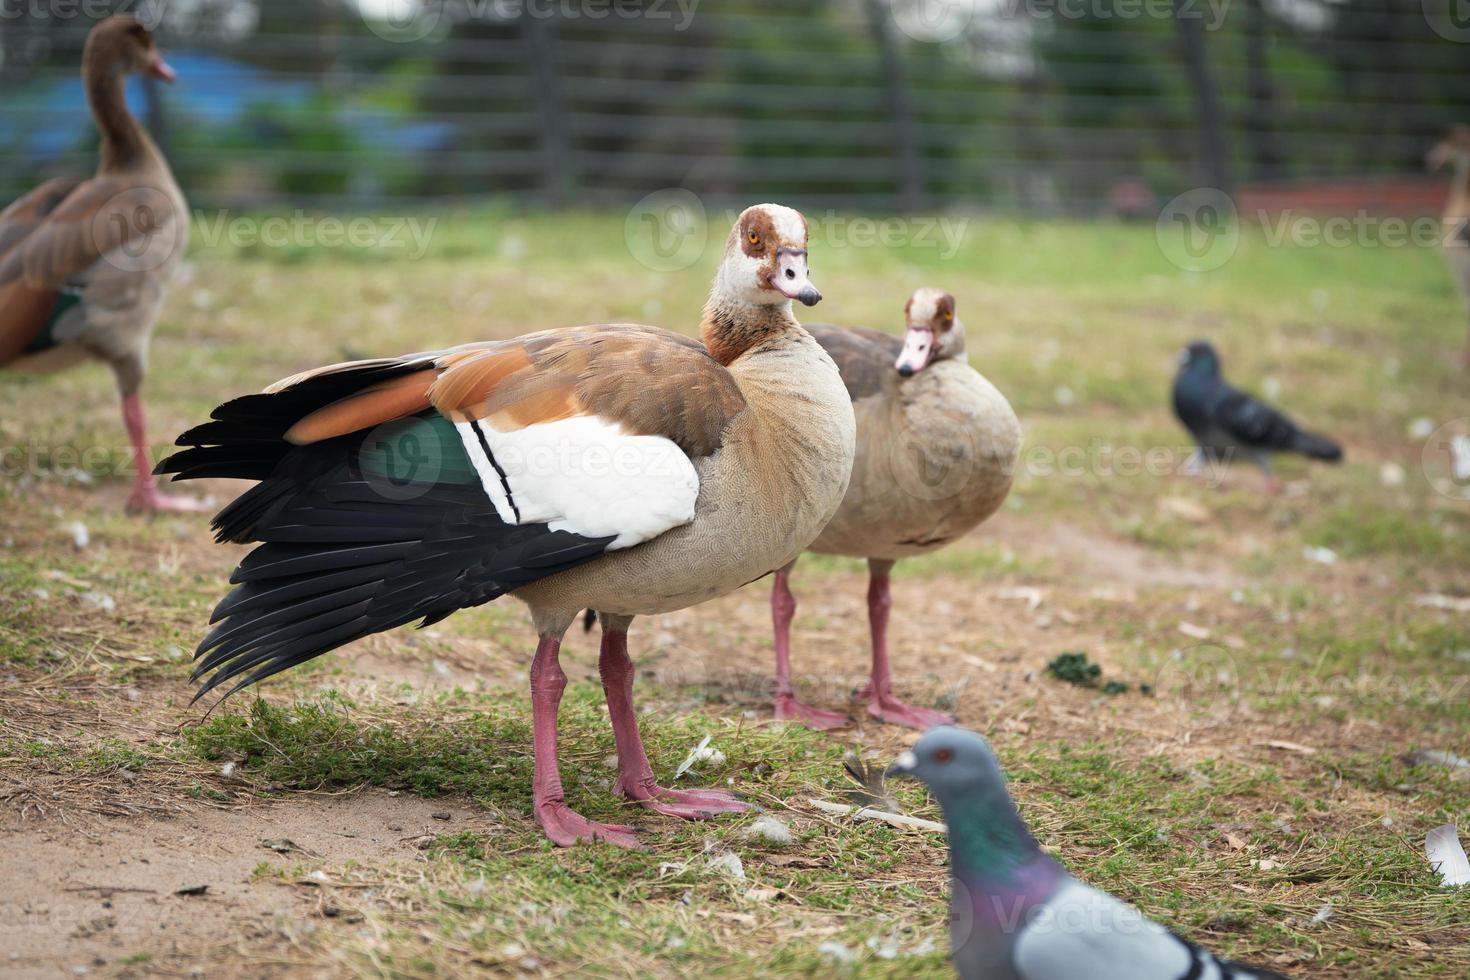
<point>1226,421</point>
<point>1016,914</point>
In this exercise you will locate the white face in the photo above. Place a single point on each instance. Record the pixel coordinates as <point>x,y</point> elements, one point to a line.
<point>765,261</point>
<point>931,326</point>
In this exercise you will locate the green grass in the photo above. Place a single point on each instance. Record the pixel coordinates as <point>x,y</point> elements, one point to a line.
<point>1147,796</point>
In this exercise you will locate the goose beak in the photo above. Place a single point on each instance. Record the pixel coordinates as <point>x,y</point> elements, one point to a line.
<point>918,351</point>
<point>160,69</point>
<point>902,766</point>
<point>792,278</point>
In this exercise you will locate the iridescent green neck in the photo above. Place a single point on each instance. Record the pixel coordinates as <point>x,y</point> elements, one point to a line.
<point>988,842</point>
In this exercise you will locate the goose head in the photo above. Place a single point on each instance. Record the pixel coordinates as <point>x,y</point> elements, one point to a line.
<point>1454,148</point>
<point>765,261</point>
<point>934,331</point>
<point>122,44</point>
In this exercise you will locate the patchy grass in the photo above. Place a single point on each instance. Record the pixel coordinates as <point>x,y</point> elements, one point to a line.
<point>1263,780</point>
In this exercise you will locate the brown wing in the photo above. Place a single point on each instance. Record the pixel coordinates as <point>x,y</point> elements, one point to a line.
<point>24,308</point>
<point>95,218</point>
<point>864,357</point>
<point>27,213</point>
<point>650,381</point>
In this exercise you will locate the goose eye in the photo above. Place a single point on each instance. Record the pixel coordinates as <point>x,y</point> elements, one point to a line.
<point>943,755</point>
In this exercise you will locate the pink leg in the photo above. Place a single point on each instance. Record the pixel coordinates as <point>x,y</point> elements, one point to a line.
<point>879,692</point>
<point>635,775</point>
<point>783,609</point>
<point>146,495</point>
<point>562,824</point>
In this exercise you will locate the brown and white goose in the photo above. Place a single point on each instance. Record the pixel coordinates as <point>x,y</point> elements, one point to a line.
<point>1454,150</point>
<point>622,468</point>
<point>84,263</point>
<point>937,447</point>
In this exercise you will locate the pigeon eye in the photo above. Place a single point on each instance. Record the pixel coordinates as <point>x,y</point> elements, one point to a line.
<point>943,755</point>
<point>755,239</point>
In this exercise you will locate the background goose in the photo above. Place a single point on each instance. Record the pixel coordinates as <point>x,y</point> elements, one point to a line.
<point>1454,150</point>
<point>1227,422</point>
<point>622,468</point>
<point>84,263</point>
<point>1016,914</point>
<point>937,446</point>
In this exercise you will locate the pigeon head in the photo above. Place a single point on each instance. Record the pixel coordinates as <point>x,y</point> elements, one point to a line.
<point>986,835</point>
<point>1200,357</point>
<point>953,763</point>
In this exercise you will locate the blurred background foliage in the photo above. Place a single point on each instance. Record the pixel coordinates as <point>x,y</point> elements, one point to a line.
<point>1028,106</point>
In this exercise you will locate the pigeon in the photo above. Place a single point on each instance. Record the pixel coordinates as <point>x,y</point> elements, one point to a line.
<point>1227,422</point>
<point>1015,913</point>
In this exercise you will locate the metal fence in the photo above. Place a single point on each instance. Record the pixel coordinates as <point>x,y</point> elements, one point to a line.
<point>1033,106</point>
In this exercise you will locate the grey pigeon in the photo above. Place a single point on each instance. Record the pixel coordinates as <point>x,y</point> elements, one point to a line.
<point>1227,422</point>
<point>1016,914</point>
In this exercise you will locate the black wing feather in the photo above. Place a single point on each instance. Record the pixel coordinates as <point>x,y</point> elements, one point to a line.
<point>318,582</point>
<point>1254,423</point>
<point>337,558</point>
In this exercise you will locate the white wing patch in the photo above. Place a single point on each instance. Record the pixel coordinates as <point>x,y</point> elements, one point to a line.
<point>1083,932</point>
<point>585,475</point>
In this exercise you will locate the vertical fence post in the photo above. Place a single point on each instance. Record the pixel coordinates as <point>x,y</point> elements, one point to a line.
<point>908,143</point>
<point>153,108</point>
<point>1265,148</point>
<point>556,178</point>
<point>1208,110</point>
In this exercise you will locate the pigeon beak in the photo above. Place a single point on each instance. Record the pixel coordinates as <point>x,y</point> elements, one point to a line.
<point>902,766</point>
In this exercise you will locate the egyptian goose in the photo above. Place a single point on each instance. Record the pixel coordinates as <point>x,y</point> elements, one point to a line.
<point>937,447</point>
<point>1227,423</point>
<point>84,263</point>
<point>621,468</point>
<point>1455,149</point>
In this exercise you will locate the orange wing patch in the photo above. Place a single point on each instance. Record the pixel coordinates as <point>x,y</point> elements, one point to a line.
<point>372,406</point>
<point>470,376</point>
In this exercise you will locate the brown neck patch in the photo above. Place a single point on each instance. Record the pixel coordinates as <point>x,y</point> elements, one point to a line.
<point>730,331</point>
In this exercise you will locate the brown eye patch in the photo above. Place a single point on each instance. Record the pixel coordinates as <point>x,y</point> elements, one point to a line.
<point>943,755</point>
<point>944,313</point>
<point>758,230</point>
